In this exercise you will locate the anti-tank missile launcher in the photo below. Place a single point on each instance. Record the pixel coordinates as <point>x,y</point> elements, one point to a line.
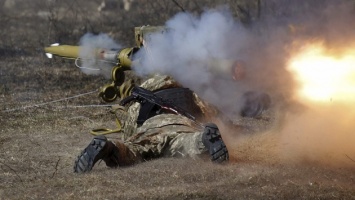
<point>121,59</point>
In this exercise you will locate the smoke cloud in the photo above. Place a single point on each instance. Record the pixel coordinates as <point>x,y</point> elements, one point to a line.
<point>198,51</point>
<point>89,45</point>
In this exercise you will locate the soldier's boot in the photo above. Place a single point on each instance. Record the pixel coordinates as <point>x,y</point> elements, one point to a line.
<point>99,148</point>
<point>212,140</point>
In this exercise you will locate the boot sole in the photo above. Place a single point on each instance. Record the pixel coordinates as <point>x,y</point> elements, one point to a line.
<point>213,141</point>
<point>88,157</point>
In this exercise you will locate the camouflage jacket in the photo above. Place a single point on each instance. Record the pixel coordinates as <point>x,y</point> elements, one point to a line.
<point>128,115</point>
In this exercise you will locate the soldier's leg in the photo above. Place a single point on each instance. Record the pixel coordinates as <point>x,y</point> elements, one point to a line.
<point>196,144</point>
<point>114,154</point>
<point>187,145</point>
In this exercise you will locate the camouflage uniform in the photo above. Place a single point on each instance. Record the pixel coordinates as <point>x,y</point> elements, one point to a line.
<point>164,134</point>
<point>160,135</point>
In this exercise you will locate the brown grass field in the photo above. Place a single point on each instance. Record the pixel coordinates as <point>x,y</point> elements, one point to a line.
<point>38,144</point>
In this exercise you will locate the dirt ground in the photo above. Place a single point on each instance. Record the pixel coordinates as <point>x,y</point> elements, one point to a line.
<point>39,142</point>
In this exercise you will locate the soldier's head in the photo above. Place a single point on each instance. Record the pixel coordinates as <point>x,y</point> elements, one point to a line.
<point>238,70</point>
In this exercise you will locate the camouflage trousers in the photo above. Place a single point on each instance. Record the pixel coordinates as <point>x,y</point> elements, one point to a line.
<point>162,135</point>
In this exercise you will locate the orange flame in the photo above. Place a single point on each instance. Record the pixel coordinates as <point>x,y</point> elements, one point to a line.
<point>323,77</point>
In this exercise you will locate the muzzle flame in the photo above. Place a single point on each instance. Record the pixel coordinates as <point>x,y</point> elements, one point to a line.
<point>323,77</point>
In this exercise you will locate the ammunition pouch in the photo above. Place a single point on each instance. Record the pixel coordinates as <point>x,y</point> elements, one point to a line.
<point>181,97</point>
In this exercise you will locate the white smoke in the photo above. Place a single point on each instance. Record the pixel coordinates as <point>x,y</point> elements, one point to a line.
<point>89,45</point>
<point>199,51</point>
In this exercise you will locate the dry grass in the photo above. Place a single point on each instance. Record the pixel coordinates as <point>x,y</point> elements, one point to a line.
<point>38,145</point>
